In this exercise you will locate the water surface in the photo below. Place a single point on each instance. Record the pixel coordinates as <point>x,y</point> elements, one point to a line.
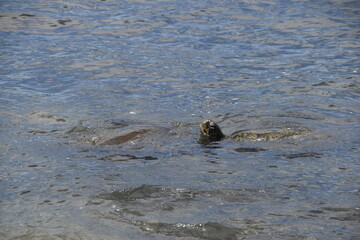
<point>73,72</point>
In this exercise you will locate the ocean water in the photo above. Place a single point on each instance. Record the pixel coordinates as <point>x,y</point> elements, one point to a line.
<point>73,73</point>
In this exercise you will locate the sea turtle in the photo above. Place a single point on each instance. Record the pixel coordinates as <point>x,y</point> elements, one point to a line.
<point>118,133</point>
<point>137,135</point>
<point>129,134</point>
<point>210,132</point>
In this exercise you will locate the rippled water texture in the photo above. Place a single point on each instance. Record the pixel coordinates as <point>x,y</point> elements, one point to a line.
<point>101,101</point>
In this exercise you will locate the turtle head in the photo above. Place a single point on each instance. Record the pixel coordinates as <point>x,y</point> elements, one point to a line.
<point>211,131</point>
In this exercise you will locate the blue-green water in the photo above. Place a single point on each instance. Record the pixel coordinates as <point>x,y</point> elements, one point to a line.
<point>104,66</point>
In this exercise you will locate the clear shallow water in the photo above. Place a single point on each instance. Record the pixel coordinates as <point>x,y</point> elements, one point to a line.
<point>109,65</point>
